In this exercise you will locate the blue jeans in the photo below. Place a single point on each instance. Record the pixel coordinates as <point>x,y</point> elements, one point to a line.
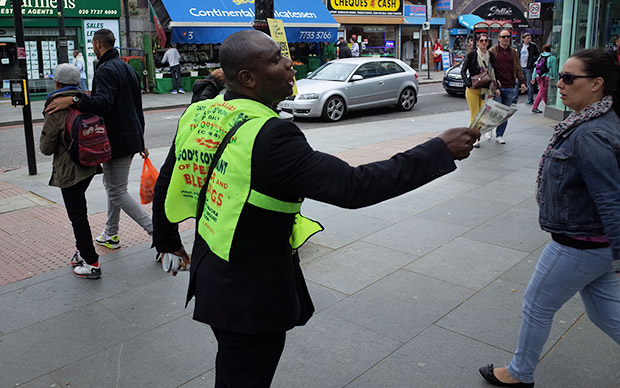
<point>175,73</point>
<point>528,82</point>
<point>561,272</point>
<point>115,180</point>
<point>506,95</point>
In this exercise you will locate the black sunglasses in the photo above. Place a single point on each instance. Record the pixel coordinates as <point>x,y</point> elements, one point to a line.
<point>483,40</point>
<point>569,78</point>
<point>504,36</point>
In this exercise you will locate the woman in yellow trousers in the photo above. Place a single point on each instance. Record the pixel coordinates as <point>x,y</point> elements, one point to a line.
<point>474,63</point>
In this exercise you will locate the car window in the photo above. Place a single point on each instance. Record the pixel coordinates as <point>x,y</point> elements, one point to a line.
<point>391,68</point>
<point>368,70</point>
<point>333,71</point>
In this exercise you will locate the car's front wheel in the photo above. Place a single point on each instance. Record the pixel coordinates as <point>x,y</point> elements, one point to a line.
<point>333,110</point>
<point>406,101</point>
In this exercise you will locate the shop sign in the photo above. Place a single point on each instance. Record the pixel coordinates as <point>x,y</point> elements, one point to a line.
<point>502,11</point>
<point>72,8</point>
<point>365,7</point>
<point>415,11</point>
<point>444,5</point>
<point>90,27</point>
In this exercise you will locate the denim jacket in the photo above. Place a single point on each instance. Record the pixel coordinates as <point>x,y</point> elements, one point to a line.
<point>581,187</point>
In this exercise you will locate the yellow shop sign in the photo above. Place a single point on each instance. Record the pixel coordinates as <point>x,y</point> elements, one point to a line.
<point>366,5</point>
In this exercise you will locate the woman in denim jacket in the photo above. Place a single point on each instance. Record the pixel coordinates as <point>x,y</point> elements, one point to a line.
<point>579,199</point>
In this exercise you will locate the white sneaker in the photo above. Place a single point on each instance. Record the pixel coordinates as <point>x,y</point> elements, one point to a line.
<point>500,140</point>
<point>173,92</point>
<point>76,259</point>
<point>181,91</point>
<point>110,242</point>
<point>488,135</point>
<point>88,271</point>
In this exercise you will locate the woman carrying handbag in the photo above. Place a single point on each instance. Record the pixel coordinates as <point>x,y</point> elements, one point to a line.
<point>479,77</point>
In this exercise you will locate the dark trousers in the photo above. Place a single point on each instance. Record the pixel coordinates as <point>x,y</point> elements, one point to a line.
<point>75,203</point>
<point>246,360</point>
<point>175,73</point>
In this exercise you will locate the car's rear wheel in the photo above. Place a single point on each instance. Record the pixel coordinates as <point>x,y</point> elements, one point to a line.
<point>407,98</point>
<point>334,108</point>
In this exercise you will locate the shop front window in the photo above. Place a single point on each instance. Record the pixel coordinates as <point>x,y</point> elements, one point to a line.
<point>375,40</point>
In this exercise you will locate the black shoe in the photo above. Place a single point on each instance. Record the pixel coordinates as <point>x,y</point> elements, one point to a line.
<point>530,102</point>
<point>487,373</point>
<point>536,111</point>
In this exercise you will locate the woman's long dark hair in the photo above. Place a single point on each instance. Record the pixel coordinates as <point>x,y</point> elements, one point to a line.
<point>600,63</point>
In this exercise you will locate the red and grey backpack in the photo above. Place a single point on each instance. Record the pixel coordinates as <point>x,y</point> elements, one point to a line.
<point>87,138</point>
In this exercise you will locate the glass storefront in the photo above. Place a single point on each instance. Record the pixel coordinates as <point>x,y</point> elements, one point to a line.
<point>375,40</point>
<point>578,25</point>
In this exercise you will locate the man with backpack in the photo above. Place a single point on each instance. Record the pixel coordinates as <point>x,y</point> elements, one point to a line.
<point>116,96</point>
<point>72,178</point>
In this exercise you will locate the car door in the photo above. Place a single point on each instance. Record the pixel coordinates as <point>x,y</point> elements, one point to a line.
<point>393,76</point>
<point>367,91</point>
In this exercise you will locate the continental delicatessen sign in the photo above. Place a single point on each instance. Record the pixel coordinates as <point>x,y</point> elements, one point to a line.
<point>365,7</point>
<point>72,8</point>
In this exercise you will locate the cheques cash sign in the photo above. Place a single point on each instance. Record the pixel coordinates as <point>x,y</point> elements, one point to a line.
<point>37,7</point>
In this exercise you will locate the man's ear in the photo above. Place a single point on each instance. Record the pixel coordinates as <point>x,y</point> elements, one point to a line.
<point>247,79</point>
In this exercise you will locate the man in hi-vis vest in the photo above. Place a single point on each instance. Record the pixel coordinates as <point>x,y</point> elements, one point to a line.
<point>245,272</point>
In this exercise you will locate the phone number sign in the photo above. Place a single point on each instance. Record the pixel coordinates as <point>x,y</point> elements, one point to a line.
<point>72,8</point>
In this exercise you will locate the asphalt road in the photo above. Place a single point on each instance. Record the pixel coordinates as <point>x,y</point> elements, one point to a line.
<point>161,124</point>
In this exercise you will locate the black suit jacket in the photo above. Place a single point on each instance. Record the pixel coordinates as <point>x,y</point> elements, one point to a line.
<point>255,291</point>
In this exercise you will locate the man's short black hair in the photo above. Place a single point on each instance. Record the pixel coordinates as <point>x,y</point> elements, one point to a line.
<point>105,37</point>
<point>238,52</point>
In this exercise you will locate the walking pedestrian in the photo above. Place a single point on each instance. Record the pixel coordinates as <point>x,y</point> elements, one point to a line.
<point>116,96</point>
<point>579,200</point>
<point>528,54</point>
<point>173,58</point>
<point>78,61</point>
<point>507,70</point>
<point>437,51</point>
<point>73,180</point>
<point>547,62</point>
<point>355,47</point>
<point>474,63</point>
<point>245,274</point>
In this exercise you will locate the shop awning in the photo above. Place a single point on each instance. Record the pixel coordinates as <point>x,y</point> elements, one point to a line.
<point>468,21</point>
<point>195,21</point>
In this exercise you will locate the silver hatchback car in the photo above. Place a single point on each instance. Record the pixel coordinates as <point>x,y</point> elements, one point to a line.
<point>349,84</point>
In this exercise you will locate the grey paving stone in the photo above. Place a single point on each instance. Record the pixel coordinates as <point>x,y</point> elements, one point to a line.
<point>401,305</point>
<point>44,382</point>
<point>416,235</point>
<point>399,208</point>
<point>493,316</point>
<point>477,171</point>
<point>466,211</point>
<point>39,302</point>
<point>524,177</point>
<point>310,251</point>
<point>436,358</point>
<point>153,304</point>
<point>206,380</point>
<point>355,266</point>
<point>569,367</point>
<point>28,282</point>
<point>502,192</point>
<point>344,228</point>
<point>329,352</point>
<point>515,228</point>
<point>319,210</point>
<point>41,348</point>
<point>443,189</point>
<point>522,272</point>
<point>323,297</point>
<point>467,263</point>
<point>169,356</point>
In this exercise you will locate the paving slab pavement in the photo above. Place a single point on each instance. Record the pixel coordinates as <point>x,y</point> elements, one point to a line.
<point>418,291</point>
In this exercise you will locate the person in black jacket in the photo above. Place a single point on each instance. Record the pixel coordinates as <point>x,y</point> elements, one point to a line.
<point>116,96</point>
<point>343,49</point>
<point>208,87</point>
<point>254,297</point>
<point>528,54</point>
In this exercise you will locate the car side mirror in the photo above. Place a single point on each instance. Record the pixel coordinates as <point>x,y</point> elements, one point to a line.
<point>356,77</point>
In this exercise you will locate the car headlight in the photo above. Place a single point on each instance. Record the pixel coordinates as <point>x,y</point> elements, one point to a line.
<point>456,76</point>
<point>308,96</point>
